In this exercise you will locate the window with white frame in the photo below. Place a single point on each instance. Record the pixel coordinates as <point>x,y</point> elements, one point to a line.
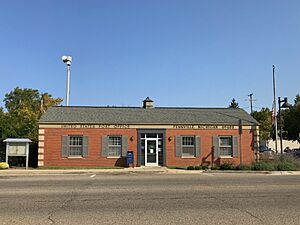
<point>75,145</point>
<point>114,146</point>
<point>225,144</point>
<point>188,145</point>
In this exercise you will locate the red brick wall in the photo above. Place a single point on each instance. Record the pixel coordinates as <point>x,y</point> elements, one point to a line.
<point>52,147</point>
<point>206,147</point>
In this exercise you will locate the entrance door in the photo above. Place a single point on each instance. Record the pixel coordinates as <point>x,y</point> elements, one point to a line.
<point>151,156</point>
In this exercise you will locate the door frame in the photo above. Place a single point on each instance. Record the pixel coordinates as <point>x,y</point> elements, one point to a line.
<point>140,159</point>
<point>156,151</point>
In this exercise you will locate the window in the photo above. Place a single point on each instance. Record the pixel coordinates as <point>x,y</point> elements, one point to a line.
<point>225,144</point>
<point>188,146</point>
<point>75,145</point>
<point>114,146</point>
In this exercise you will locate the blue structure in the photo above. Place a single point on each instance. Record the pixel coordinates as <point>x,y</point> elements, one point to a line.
<point>130,158</point>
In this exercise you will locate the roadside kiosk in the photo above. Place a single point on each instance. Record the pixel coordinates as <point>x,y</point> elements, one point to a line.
<point>17,147</point>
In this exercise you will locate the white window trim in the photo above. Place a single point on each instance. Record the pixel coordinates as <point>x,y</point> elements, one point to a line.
<point>226,146</point>
<point>187,156</point>
<point>115,156</point>
<point>225,157</point>
<point>75,156</point>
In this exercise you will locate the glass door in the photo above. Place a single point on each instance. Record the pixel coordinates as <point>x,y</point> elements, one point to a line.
<point>151,156</point>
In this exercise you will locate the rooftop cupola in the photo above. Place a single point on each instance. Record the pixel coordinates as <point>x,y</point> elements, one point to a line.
<point>147,103</point>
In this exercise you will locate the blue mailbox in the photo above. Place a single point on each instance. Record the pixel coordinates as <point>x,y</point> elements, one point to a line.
<point>130,158</point>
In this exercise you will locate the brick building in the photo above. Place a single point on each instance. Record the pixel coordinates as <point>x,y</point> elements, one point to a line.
<point>158,136</point>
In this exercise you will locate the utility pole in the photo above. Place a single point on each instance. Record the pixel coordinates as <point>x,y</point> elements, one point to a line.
<point>240,137</point>
<point>274,109</point>
<point>251,102</point>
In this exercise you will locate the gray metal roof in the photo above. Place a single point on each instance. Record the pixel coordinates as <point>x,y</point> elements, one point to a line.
<point>137,115</point>
<point>19,140</point>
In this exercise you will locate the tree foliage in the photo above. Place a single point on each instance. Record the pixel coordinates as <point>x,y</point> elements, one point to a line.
<point>21,99</point>
<point>233,104</point>
<point>48,101</point>
<point>291,121</point>
<point>1,120</point>
<point>24,109</point>
<point>264,117</point>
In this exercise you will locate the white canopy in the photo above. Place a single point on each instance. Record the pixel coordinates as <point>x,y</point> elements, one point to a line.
<point>19,140</point>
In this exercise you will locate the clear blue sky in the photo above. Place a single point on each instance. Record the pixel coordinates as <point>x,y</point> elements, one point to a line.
<point>179,53</point>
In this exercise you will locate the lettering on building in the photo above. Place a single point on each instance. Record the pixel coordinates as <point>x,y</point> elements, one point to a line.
<point>127,126</point>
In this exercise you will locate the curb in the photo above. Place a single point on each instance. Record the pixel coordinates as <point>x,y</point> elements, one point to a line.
<point>253,172</point>
<point>136,171</point>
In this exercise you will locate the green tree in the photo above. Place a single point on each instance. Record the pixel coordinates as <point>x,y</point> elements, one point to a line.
<point>1,121</point>
<point>47,101</point>
<point>297,100</point>
<point>291,121</point>
<point>22,98</point>
<point>24,108</point>
<point>233,104</point>
<point>264,117</point>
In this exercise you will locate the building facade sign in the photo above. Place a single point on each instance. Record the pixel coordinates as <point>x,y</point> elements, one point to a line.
<point>136,126</point>
<point>96,126</point>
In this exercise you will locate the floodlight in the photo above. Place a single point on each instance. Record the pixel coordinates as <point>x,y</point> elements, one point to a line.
<point>67,59</point>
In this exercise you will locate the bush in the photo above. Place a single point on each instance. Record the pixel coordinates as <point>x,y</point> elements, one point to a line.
<point>263,166</point>
<point>286,166</point>
<point>198,167</point>
<point>227,166</point>
<point>177,167</point>
<point>243,167</point>
<point>4,166</point>
<point>280,163</point>
<point>190,168</point>
<point>286,163</point>
<point>215,168</point>
<point>205,167</point>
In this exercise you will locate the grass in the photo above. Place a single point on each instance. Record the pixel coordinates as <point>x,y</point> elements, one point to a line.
<point>177,167</point>
<point>279,163</point>
<point>227,166</point>
<point>79,168</point>
<point>243,167</point>
<point>263,166</point>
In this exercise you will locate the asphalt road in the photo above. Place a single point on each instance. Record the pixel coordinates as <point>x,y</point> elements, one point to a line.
<point>150,199</point>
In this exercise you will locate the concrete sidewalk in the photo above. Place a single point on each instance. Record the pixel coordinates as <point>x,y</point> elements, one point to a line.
<point>150,170</point>
<point>136,170</point>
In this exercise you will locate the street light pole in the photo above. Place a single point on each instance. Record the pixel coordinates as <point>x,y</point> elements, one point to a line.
<point>284,105</point>
<point>68,84</point>
<point>68,60</point>
<point>274,109</point>
<point>280,125</point>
